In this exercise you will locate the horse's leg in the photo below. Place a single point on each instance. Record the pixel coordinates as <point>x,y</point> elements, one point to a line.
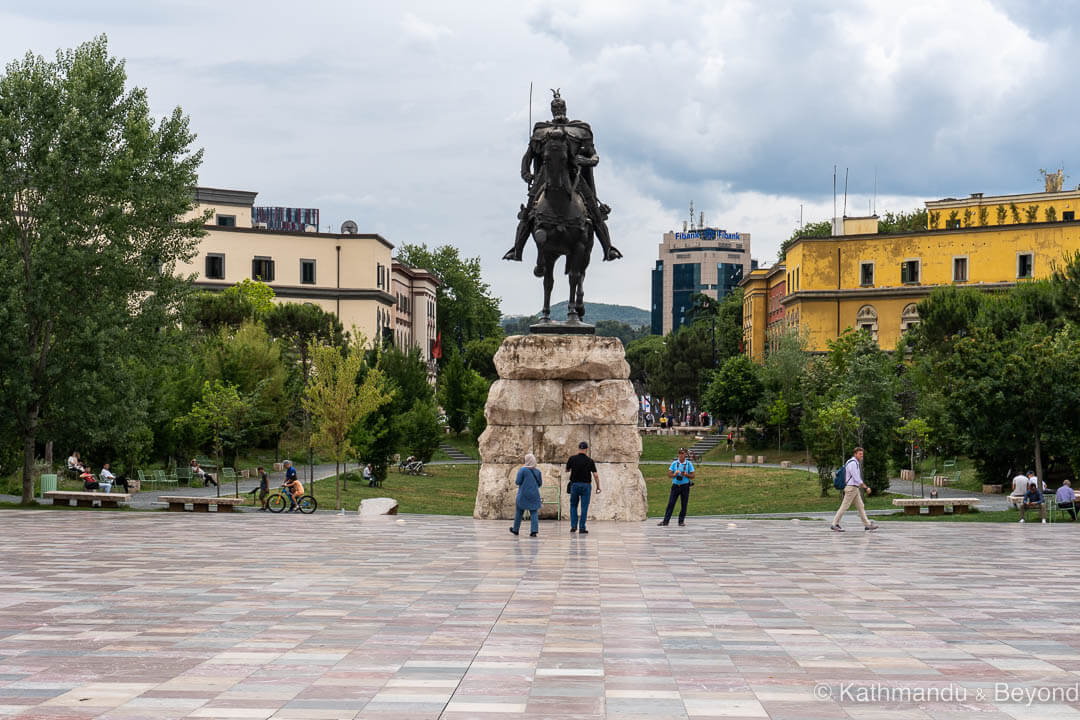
<point>545,261</point>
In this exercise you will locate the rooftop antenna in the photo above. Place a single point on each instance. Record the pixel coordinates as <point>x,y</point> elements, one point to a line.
<point>845,191</point>
<point>800,216</point>
<point>834,191</point>
<point>701,219</point>
<point>874,210</point>
<point>530,109</point>
<point>692,215</point>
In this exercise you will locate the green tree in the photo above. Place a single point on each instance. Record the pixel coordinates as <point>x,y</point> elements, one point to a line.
<point>480,355</point>
<point>914,433</point>
<point>220,417</point>
<point>91,191</point>
<point>252,361</point>
<point>453,384</point>
<point>420,430</point>
<point>465,307</point>
<point>645,356</point>
<point>338,399</point>
<point>829,429</point>
<point>300,325</point>
<point>822,228</point>
<point>778,417</point>
<point>734,391</point>
<point>901,222</point>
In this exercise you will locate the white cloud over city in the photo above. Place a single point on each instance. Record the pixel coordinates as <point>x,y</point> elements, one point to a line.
<point>411,118</point>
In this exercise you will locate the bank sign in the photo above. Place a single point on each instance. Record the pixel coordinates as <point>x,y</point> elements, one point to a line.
<point>708,234</point>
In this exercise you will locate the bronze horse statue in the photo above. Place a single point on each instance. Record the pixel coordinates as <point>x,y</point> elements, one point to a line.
<point>561,224</point>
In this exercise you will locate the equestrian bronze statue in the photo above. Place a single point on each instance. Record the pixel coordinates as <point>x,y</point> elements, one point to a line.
<point>562,212</point>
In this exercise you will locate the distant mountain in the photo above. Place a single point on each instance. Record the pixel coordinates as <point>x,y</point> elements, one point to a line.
<point>595,312</point>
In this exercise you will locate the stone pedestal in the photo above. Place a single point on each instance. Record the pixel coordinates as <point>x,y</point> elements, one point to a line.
<point>553,392</point>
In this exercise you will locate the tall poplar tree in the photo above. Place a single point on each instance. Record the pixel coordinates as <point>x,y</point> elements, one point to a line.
<point>92,195</point>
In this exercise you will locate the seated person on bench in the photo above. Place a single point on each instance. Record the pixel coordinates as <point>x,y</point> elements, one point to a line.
<point>197,471</point>
<point>108,477</point>
<point>90,483</point>
<point>1066,498</point>
<point>1033,500</point>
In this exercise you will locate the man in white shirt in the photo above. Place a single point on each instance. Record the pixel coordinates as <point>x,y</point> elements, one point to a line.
<point>852,493</point>
<point>108,479</point>
<point>1019,488</point>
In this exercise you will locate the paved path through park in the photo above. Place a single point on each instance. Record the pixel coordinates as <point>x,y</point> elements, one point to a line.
<point>159,615</point>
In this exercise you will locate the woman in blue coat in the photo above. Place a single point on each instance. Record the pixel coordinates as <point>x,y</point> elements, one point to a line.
<point>528,495</point>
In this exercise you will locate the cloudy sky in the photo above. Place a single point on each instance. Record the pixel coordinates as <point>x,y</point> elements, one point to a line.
<point>411,117</point>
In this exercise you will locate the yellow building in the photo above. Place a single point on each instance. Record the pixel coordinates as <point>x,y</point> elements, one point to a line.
<point>980,211</point>
<point>859,279</point>
<point>346,274</point>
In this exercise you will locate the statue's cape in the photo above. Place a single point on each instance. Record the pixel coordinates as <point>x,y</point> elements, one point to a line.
<point>578,129</point>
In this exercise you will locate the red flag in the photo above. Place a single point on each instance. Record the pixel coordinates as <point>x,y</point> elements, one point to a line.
<point>436,349</point>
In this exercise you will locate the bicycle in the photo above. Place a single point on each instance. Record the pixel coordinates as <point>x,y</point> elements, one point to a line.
<point>411,466</point>
<point>280,499</point>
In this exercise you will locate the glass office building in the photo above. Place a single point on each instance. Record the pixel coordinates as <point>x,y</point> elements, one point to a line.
<point>710,261</point>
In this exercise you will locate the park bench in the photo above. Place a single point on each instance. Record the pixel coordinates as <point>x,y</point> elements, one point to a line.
<point>178,503</point>
<point>936,506</point>
<point>86,499</point>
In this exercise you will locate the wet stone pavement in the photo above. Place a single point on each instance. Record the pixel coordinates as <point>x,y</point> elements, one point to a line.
<point>158,615</point>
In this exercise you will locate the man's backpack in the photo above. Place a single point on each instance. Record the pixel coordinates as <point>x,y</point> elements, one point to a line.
<point>839,480</point>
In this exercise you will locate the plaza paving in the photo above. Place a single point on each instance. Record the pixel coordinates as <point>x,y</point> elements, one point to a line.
<point>157,615</point>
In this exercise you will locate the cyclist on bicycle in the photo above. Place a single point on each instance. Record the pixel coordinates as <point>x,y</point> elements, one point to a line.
<point>293,485</point>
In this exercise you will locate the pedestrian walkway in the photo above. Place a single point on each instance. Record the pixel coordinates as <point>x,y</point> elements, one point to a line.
<point>449,618</point>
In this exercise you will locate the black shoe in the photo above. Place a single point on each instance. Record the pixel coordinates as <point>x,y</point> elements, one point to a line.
<point>573,529</point>
<point>512,254</point>
<point>513,531</point>
<point>662,524</point>
<point>682,524</point>
<point>583,531</point>
<point>530,534</point>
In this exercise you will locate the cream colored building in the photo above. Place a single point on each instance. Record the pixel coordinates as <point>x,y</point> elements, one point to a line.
<point>414,311</point>
<point>349,275</point>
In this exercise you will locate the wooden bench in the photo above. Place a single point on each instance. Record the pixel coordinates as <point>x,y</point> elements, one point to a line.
<point>178,503</point>
<point>936,506</point>
<point>86,499</point>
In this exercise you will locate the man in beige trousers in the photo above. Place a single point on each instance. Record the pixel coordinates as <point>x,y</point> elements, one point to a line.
<point>853,484</point>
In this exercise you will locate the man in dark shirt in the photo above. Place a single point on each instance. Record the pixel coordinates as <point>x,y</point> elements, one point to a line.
<point>1033,500</point>
<point>581,466</point>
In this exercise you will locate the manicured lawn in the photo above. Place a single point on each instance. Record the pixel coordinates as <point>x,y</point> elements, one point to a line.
<point>737,490</point>
<point>451,490</point>
<point>442,490</point>
<point>973,515</point>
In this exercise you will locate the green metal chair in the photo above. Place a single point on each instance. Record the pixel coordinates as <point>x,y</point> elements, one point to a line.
<point>48,482</point>
<point>183,475</point>
<point>144,482</point>
<point>228,475</point>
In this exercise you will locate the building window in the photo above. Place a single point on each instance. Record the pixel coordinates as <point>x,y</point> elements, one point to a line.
<point>226,221</point>
<point>796,277</point>
<point>952,224</point>
<point>866,319</point>
<point>307,272</point>
<point>215,266</point>
<point>1025,265</point>
<point>960,269</point>
<point>262,268</point>
<point>1068,216</point>
<point>909,271</point>
<point>909,318</point>
<point>866,273</point>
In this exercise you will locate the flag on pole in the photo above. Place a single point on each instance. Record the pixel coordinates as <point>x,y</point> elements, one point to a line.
<point>663,405</point>
<point>436,349</point>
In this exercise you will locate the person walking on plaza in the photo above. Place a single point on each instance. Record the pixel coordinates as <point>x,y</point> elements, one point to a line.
<point>1066,498</point>
<point>264,487</point>
<point>853,483</point>
<point>528,481</point>
<point>581,467</point>
<point>681,472</point>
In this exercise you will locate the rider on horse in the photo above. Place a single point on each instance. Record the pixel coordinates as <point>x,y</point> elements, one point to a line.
<point>585,158</point>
